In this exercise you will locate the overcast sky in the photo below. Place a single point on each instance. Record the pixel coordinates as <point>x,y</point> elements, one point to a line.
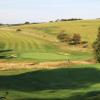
<point>16,11</point>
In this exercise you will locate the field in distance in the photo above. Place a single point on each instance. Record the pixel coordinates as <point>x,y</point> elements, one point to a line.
<point>26,41</point>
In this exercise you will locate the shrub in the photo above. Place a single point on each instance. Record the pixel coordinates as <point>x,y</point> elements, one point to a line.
<point>18,30</point>
<point>1,24</point>
<point>72,40</point>
<point>85,46</point>
<point>27,23</point>
<point>84,42</point>
<point>76,39</point>
<point>63,37</point>
<point>96,47</point>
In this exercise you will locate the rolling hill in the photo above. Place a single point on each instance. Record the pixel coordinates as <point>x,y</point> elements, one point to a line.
<point>42,38</point>
<point>53,76</point>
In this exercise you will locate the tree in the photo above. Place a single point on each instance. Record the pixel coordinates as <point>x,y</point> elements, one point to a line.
<point>27,23</point>
<point>96,47</point>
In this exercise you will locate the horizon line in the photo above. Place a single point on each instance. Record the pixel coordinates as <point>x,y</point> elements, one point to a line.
<point>46,21</point>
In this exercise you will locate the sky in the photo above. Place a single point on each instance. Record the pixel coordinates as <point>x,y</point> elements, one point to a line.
<point>18,11</point>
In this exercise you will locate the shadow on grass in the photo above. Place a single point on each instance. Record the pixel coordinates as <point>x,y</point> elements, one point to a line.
<point>66,78</point>
<point>4,54</point>
<point>2,51</point>
<point>94,95</point>
<point>42,99</point>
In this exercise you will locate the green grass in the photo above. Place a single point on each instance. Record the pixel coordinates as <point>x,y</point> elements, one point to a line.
<point>42,37</point>
<point>38,42</point>
<point>81,55</point>
<point>44,56</point>
<point>56,56</point>
<point>72,83</point>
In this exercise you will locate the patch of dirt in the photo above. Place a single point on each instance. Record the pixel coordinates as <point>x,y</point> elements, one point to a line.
<point>81,62</point>
<point>42,65</point>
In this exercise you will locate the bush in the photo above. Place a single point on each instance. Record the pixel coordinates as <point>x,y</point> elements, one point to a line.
<point>76,39</point>
<point>85,46</point>
<point>1,24</point>
<point>72,40</point>
<point>64,37</point>
<point>18,30</point>
<point>27,23</point>
<point>96,47</point>
<point>84,42</point>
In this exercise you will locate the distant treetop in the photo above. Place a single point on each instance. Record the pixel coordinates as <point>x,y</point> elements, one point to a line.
<point>71,19</point>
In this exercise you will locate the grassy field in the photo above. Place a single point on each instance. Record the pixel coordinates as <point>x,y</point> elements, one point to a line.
<point>81,82</point>
<point>38,42</point>
<point>42,38</point>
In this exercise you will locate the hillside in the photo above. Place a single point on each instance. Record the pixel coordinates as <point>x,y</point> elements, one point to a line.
<point>39,67</point>
<point>41,38</point>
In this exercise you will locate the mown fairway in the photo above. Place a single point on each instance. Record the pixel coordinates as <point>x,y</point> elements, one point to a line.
<point>42,38</point>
